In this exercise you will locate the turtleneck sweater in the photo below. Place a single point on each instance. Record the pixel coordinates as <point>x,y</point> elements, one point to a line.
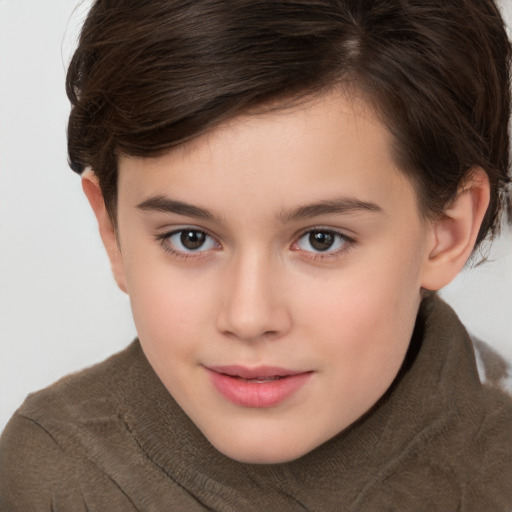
<point>112,438</point>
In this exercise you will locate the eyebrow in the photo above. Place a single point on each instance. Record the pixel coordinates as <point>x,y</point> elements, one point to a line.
<point>327,207</point>
<point>168,205</point>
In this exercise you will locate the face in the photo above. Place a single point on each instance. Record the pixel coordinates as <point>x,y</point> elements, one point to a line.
<point>274,268</point>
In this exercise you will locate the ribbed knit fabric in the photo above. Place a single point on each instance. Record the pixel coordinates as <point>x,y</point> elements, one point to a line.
<point>111,439</point>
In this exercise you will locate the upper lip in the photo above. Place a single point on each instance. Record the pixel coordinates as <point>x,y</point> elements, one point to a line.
<point>258,372</point>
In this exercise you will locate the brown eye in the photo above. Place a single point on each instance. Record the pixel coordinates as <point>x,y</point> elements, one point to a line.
<point>192,240</point>
<point>321,240</point>
<point>189,240</point>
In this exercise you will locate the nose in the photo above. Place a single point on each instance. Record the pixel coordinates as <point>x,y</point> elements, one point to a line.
<point>253,304</point>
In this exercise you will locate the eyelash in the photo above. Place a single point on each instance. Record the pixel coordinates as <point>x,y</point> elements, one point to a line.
<point>182,255</point>
<point>348,243</point>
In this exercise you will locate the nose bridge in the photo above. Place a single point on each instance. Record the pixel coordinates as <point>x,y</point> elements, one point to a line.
<point>253,304</point>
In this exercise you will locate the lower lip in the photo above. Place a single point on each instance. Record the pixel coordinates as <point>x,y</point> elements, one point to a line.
<point>258,394</point>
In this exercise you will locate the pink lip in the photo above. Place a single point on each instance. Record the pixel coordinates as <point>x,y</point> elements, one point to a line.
<point>265,386</point>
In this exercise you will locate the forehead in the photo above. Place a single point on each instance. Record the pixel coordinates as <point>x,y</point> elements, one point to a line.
<point>330,146</point>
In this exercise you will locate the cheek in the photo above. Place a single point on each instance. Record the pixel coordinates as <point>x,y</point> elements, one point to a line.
<point>363,344</point>
<point>363,329</point>
<point>366,314</point>
<point>169,310</point>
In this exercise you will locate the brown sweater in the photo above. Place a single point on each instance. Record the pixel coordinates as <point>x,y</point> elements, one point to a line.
<point>111,438</point>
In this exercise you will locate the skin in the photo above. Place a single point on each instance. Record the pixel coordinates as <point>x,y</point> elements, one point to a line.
<point>258,292</point>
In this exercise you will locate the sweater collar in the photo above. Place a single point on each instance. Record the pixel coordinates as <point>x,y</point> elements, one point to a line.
<point>438,378</point>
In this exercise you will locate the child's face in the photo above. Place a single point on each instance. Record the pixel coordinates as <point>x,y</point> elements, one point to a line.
<point>284,245</point>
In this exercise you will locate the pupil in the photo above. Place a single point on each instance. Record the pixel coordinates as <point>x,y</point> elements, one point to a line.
<point>321,241</point>
<point>192,239</point>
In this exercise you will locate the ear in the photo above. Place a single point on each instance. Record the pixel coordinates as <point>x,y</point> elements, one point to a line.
<point>92,190</point>
<point>454,233</point>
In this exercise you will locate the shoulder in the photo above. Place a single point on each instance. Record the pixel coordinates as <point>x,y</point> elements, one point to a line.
<point>82,396</point>
<point>487,457</point>
<point>31,463</point>
<point>494,433</point>
<point>464,449</point>
<point>495,399</point>
<point>493,369</point>
<point>45,448</point>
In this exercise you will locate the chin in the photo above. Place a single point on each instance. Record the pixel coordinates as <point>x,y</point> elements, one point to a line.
<point>266,451</point>
<point>260,457</point>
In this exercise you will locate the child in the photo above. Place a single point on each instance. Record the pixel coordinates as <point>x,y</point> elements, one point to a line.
<point>281,187</point>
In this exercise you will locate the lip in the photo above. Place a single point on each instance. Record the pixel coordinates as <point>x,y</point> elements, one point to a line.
<point>261,387</point>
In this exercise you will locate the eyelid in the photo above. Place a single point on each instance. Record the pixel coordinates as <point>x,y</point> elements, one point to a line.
<point>325,229</point>
<point>162,238</point>
<point>348,244</point>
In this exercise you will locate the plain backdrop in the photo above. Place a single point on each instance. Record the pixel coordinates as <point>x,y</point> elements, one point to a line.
<point>60,310</point>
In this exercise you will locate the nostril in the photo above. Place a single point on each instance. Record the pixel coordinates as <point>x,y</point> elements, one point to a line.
<point>254,329</point>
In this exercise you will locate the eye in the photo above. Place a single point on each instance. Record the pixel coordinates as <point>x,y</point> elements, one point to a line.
<point>322,241</point>
<point>188,241</point>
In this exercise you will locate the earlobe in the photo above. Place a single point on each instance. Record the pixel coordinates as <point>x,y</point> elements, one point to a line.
<point>454,233</point>
<point>92,190</point>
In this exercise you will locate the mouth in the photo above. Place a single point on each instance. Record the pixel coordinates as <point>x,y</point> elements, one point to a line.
<point>260,387</point>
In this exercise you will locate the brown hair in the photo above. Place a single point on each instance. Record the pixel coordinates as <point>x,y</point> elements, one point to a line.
<point>147,76</point>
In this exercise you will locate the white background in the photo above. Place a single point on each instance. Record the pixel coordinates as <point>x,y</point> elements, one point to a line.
<point>59,307</point>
